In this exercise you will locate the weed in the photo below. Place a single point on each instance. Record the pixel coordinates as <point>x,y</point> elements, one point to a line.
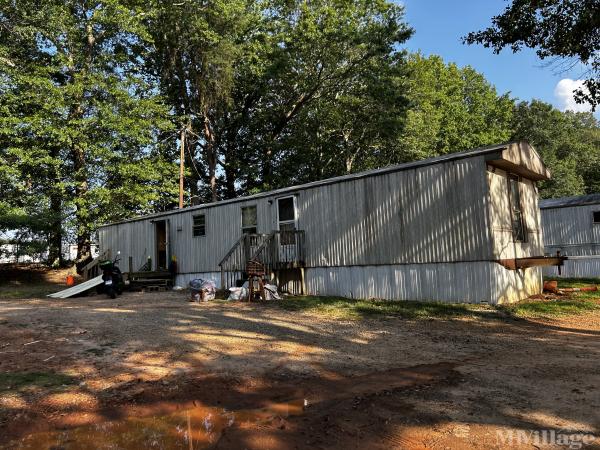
<point>17,381</point>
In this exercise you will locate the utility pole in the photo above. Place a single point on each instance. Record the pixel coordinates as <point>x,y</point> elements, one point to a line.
<point>181,160</point>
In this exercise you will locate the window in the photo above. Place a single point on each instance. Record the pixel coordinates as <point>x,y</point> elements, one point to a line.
<point>249,219</point>
<point>596,216</point>
<point>286,209</point>
<point>199,228</point>
<point>514,195</point>
<point>287,220</point>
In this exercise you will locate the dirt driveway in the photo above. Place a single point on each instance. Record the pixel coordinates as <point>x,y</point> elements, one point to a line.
<point>154,371</point>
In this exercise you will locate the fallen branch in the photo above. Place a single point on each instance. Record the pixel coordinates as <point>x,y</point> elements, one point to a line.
<point>33,342</point>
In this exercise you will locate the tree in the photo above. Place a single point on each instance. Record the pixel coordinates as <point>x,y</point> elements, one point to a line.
<point>566,29</point>
<point>196,44</point>
<point>357,130</point>
<point>450,109</point>
<point>345,106</point>
<point>79,113</point>
<point>569,144</point>
<point>307,69</point>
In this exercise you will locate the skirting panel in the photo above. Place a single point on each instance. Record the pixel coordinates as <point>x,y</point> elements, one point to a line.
<point>469,282</point>
<point>576,268</point>
<point>475,282</point>
<point>184,279</point>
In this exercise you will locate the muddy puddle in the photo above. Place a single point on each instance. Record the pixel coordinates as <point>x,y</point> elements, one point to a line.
<point>196,428</point>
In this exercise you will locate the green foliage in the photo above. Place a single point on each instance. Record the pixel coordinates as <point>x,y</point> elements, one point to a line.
<point>286,67</point>
<point>451,109</point>
<point>347,104</point>
<point>81,122</point>
<point>569,144</point>
<point>566,29</point>
<point>271,93</point>
<point>196,46</point>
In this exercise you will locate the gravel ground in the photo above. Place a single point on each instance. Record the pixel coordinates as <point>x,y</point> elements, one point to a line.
<point>374,383</point>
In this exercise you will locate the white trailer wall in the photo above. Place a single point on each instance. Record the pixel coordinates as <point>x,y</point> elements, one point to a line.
<point>421,231</point>
<point>572,231</point>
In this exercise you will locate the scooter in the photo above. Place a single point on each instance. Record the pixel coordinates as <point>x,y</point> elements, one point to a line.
<point>112,277</point>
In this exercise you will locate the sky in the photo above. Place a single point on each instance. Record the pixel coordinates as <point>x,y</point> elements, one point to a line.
<point>439,26</point>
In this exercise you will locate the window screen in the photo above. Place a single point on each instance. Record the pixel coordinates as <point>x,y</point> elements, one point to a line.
<point>286,209</point>
<point>518,226</point>
<point>249,219</point>
<point>199,228</point>
<point>596,216</point>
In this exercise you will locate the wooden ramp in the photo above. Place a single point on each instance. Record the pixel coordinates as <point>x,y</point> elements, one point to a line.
<point>78,289</point>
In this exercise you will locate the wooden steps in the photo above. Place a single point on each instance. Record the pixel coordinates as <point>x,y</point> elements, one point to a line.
<point>150,281</point>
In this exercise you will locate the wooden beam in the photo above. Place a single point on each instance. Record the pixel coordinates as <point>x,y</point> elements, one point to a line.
<point>534,261</point>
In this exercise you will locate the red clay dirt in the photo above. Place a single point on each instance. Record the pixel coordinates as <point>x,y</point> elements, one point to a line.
<point>153,368</point>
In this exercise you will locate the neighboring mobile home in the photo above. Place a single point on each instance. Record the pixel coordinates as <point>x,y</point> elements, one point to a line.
<point>572,227</point>
<point>463,227</point>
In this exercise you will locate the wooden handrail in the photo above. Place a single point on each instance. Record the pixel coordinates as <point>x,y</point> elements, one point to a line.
<point>93,263</point>
<point>232,249</point>
<point>263,248</point>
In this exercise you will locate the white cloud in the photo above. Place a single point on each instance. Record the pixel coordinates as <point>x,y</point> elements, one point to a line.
<point>564,94</point>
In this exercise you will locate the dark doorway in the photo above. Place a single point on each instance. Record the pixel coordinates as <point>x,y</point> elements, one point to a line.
<point>161,245</point>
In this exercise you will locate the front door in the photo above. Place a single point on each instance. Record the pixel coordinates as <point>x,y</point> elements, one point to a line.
<point>161,234</point>
<point>287,221</point>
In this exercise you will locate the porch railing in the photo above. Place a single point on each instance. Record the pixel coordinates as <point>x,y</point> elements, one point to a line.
<point>276,251</point>
<point>92,269</point>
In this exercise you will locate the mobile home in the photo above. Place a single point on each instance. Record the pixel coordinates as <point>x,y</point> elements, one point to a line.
<point>463,227</point>
<point>572,227</point>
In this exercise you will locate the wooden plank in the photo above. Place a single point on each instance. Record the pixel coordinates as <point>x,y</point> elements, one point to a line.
<point>523,263</point>
<point>161,274</point>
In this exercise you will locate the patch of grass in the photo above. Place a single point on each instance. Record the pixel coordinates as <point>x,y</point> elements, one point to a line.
<point>24,291</point>
<point>574,282</point>
<point>551,308</point>
<point>590,295</point>
<point>344,308</point>
<point>572,303</point>
<point>18,381</point>
<point>23,281</point>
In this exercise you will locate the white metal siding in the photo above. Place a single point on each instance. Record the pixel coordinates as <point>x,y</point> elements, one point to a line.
<point>423,233</point>
<point>504,246</point>
<point>571,227</point>
<point>571,231</point>
<point>427,215</point>
<point>460,282</point>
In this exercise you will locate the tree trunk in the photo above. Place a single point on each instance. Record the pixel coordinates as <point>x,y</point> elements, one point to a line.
<point>230,175</point>
<point>84,250</point>
<point>56,232</point>
<point>55,258</point>
<point>267,170</point>
<point>211,158</point>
